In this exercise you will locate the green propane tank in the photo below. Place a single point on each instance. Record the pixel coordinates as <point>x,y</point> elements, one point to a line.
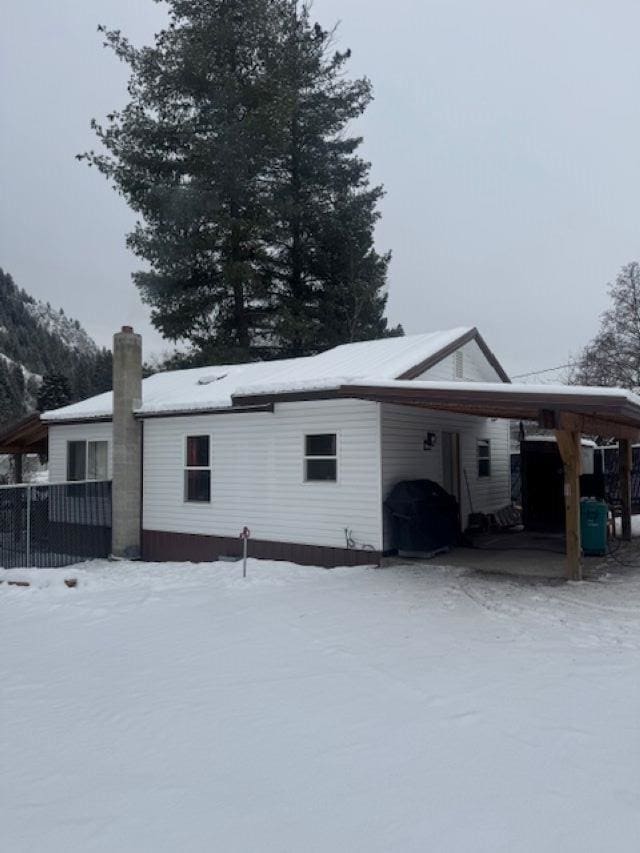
<point>593,527</point>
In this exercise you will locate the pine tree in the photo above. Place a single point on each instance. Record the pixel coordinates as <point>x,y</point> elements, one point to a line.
<point>352,296</point>
<point>189,153</point>
<point>30,347</point>
<point>332,280</point>
<point>54,392</point>
<point>256,212</point>
<point>7,413</point>
<point>102,372</point>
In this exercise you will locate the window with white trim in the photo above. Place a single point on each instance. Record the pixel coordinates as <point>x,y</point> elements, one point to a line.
<point>87,460</point>
<point>321,458</point>
<point>484,457</point>
<point>197,469</point>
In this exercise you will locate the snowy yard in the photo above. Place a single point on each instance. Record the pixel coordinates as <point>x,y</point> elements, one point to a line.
<point>180,708</point>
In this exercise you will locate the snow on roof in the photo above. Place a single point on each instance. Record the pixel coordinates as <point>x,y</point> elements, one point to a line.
<point>513,389</point>
<point>551,439</point>
<point>213,387</point>
<point>545,392</point>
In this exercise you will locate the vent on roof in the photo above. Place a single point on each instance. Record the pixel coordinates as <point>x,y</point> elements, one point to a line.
<point>459,364</point>
<point>209,380</point>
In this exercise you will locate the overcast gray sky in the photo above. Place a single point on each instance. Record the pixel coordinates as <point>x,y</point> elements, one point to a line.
<point>507,135</point>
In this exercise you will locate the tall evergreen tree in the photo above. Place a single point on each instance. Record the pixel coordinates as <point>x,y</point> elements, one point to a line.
<point>55,392</point>
<point>352,296</point>
<point>189,153</point>
<point>234,152</point>
<point>12,392</point>
<point>332,281</point>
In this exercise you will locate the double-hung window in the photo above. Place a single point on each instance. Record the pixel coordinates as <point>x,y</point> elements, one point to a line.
<point>197,469</point>
<point>87,460</point>
<point>484,457</point>
<point>321,458</point>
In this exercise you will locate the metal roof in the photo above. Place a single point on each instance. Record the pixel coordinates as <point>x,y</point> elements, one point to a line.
<point>592,411</point>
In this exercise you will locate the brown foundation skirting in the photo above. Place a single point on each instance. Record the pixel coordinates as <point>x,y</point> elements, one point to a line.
<point>162,546</point>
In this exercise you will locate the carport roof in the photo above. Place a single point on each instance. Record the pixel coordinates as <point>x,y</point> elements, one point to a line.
<point>28,435</point>
<point>591,410</point>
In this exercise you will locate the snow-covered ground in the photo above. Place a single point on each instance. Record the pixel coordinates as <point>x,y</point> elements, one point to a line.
<point>180,708</point>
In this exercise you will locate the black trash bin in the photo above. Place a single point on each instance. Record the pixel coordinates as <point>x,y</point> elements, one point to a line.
<point>424,517</point>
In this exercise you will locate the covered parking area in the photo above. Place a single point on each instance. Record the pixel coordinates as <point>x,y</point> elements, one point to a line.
<point>27,437</point>
<point>570,412</point>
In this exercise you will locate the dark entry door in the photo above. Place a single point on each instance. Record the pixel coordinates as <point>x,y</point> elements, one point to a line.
<point>451,463</point>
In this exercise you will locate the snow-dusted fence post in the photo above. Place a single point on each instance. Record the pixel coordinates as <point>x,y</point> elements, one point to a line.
<point>246,533</point>
<point>28,528</point>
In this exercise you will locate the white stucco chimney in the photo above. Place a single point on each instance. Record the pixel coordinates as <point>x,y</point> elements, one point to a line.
<point>127,449</point>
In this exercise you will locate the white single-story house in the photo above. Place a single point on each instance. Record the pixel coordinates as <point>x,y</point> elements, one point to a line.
<point>284,448</point>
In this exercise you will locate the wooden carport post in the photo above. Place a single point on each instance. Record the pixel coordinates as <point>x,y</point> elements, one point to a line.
<point>17,468</point>
<point>625,460</point>
<point>570,446</point>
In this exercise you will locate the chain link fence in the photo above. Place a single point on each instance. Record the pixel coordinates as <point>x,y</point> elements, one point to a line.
<point>48,526</point>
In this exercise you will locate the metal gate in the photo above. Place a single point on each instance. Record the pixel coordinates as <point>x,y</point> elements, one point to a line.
<point>47,526</point>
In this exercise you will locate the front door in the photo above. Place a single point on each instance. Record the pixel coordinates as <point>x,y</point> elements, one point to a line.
<point>451,463</point>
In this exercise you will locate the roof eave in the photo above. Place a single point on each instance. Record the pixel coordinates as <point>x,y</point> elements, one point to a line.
<point>434,359</point>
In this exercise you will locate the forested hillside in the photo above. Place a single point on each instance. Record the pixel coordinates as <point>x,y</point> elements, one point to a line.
<point>38,342</point>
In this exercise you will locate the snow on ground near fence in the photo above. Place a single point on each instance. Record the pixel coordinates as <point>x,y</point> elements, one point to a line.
<point>176,707</point>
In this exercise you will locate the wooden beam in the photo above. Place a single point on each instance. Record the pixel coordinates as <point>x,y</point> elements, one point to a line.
<point>625,465</point>
<point>593,425</point>
<point>570,450</point>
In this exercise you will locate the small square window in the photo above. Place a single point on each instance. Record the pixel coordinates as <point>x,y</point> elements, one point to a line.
<point>484,457</point>
<point>321,458</point>
<point>197,486</point>
<point>87,460</point>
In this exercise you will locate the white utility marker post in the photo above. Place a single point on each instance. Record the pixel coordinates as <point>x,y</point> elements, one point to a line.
<point>245,536</point>
<point>28,519</point>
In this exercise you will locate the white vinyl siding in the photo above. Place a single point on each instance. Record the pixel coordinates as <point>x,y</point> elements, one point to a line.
<point>59,436</point>
<point>257,477</point>
<point>404,430</point>
<point>468,364</point>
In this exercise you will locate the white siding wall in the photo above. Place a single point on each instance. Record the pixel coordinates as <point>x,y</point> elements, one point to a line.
<point>475,367</point>
<point>403,458</point>
<point>257,476</point>
<point>257,459</point>
<point>60,435</point>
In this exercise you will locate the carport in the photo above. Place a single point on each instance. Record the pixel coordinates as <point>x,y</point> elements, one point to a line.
<point>27,436</point>
<point>570,412</point>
